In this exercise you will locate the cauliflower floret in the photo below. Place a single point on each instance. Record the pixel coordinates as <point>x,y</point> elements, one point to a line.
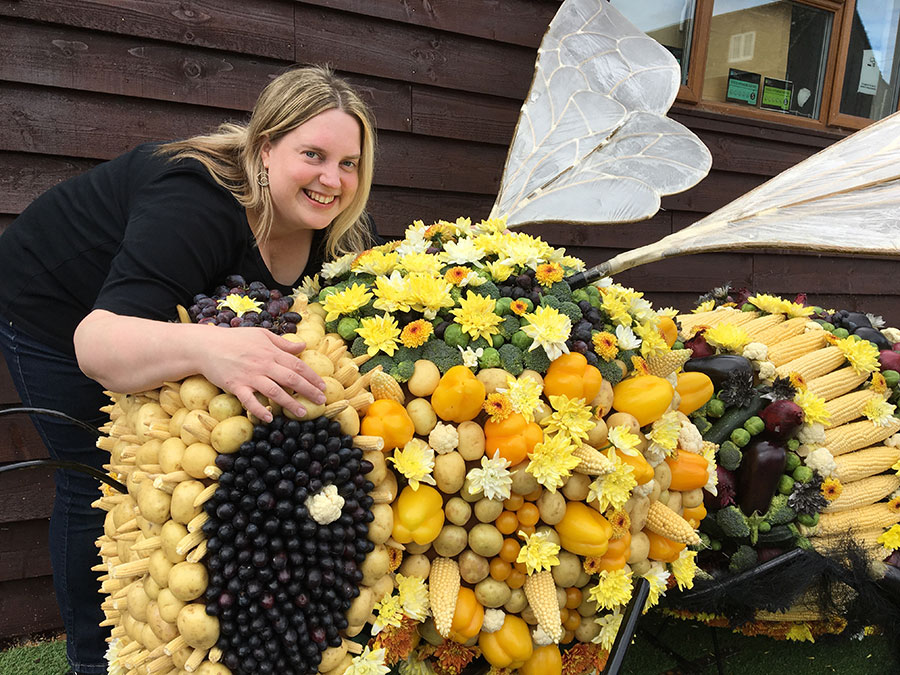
<point>812,325</point>
<point>493,620</point>
<point>655,454</point>
<point>689,438</point>
<point>443,438</point>
<point>755,351</point>
<point>893,441</point>
<point>540,637</point>
<point>766,370</point>
<point>812,434</point>
<point>325,507</point>
<point>821,460</point>
<point>644,490</point>
<point>892,334</point>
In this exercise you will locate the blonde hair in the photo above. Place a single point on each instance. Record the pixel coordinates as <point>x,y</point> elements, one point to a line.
<point>232,153</point>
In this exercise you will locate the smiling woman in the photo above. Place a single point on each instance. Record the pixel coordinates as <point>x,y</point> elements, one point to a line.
<point>92,271</point>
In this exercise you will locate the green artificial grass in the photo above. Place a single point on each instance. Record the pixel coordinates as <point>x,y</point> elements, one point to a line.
<point>43,658</point>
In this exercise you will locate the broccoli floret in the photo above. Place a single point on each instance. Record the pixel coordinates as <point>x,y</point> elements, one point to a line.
<point>442,355</point>
<point>536,359</point>
<point>550,301</point>
<point>490,358</point>
<point>729,456</point>
<point>405,353</point>
<point>488,289</point>
<point>380,359</point>
<point>455,337</point>
<point>733,522</point>
<point>560,290</point>
<point>509,326</point>
<point>571,310</point>
<point>610,371</point>
<point>742,560</point>
<point>358,348</point>
<point>481,343</point>
<point>403,371</point>
<point>521,340</point>
<point>511,359</point>
<point>332,326</point>
<point>779,512</point>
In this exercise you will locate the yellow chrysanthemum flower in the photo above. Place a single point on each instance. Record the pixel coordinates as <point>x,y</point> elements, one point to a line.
<point>879,411</point>
<point>522,250</point>
<point>623,440</point>
<point>613,489</point>
<point>548,273</point>
<point>890,539</point>
<point>456,275</point>
<point>814,409</point>
<point>727,337</point>
<point>571,417</point>
<point>795,309</point>
<point>491,225</point>
<point>428,294</point>
<point>538,553</point>
<point>685,568</point>
<point>239,304</point>
<point>519,307</point>
<point>413,595</point>
<point>665,431</point>
<point>658,577</point>
<point>346,301</point>
<point>548,328</point>
<point>609,629</point>
<point>862,354</point>
<point>492,477</point>
<point>421,263</point>
<point>606,345</point>
<point>388,612</point>
<point>416,462</point>
<point>498,407</point>
<point>369,662</point>
<point>391,293</point>
<point>707,306</point>
<point>524,395</point>
<point>416,333</point>
<point>877,384</point>
<point>831,489</point>
<point>375,262</point>
<point>476,316</point>
<point>652,343</point>
<point>552,461</point>
<point>498,271</point>
<point>613,589</point>
<point>800,632</point>
<point>616,309</point>
<point>380,334</point>
<point>771,304</point>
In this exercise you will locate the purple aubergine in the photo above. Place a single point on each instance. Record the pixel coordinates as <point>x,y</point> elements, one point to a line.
<point>874,336</point>
<point>760,471</point>
<point>782,417</point>
<point>719,367</point>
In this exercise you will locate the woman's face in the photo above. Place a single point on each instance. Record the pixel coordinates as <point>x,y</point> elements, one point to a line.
<point>313,171</point>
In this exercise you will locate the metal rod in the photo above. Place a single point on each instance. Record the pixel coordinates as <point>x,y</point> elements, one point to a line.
<point>50,413</point>
<point>626,629</point>
<point>71,466</point>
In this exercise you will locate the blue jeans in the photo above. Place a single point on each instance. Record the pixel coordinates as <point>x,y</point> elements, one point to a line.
<point>46,378</point>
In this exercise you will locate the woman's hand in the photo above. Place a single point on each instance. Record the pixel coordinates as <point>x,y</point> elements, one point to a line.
<point>127,354</point>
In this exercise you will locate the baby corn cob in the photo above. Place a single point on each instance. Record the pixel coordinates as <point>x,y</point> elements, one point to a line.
<point>796,347</point>
<point>849,437</point>
<point>848,407</point>
<point>593,462</point>
<point>385,386</point>
<point>781,332</point>
<point>813,365</point>
<point>864,492</point>
<point>860,464</point>
<point>864,518</point>
<point>668,362</point>
<point>443,589</point>
<point>665,522</point>
<point>836,383</point>
<point>540,589</point>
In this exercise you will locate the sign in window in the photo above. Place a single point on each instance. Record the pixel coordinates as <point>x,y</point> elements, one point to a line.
<point>871,71</point>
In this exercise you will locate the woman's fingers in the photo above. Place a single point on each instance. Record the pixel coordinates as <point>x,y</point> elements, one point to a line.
<point>301,377</point>
<point>252,404</point>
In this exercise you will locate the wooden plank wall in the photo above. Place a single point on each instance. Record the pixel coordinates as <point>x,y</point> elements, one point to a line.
<point>82,81</point>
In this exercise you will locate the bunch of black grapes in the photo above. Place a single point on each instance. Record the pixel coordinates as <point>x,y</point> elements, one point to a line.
<point>281,583</point>
<point>274,315</point>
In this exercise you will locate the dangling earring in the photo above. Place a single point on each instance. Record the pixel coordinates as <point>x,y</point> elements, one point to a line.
<point>263,178</point>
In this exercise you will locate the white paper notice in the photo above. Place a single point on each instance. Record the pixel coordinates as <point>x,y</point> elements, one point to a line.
<point>868,74</point>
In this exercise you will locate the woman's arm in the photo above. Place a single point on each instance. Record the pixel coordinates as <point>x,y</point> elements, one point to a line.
<point>128,354</point>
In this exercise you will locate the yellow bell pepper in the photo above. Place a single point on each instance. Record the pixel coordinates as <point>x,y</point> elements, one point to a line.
<point>646,397</point>
<point>583,530</point>
<point>643,472</point>
<point>510,647</point>
<point>418,515</point>
<point>695,389</point>
<point>668,329</point>
<point>459,396</point>
<point>662,548</point>
<point>544,660</point>
<point>468,616</point>
<point>617,554</point>
<point>689,471</point>
<point>572,376</point>
<point>389,420</point>
<point>514,437</point>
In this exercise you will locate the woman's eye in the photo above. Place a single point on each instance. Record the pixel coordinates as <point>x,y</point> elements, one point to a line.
<point>311,154</point>
<point>349,163</point>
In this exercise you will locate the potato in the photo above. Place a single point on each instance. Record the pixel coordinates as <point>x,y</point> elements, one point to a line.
<point>533,375</point>
<point>422,415</point>
<point>182,505</point>
<point>415,566</point>
<point>656,491</point>
<point>170,534</point>
<point>449,472</point>
<point>566,573</point>
<point>588,608</point>
<point>425,378</point>
<point>313,410</point>
<point>577,487</point>
<point>196,392</point>
<point>674,501</point>
<point>334,390</point>
<point>147,454</point>
<point>198,456</point>
<point>170,453</point>
<point>320,363</point>
<point>662,474</point>
<point>348,418</point>
<point>523,483</point>
<point>379,466</point>
<point>414,548</point>
<point>597,436</point>
<point>587,630</point>
<point>458,511</point>
<point>604,399</point>
<point>376,565</point>
<point>361,607</point>
<point>382,525</point>
<point>146,415</point>
<point>149,639</point>
<point>383,587</point>
<point>467,493</point>
<point>640,548</point>
<point>209,668</point>
<point>552,534</point>
<point>639,514</point>
<point>137,602</point>
<point>492,593</point>
<point>487,510</point>
<point>331,657</point>
<point>471,441</point>
<point>429,632</point>
<point>169,605</point>
<point>552,506</point>
<point>451,541</point>
<point>188,580</point>
<point>641,567</point>
<point>493,379</point>
<point>161,628</point>
<point>583,579</point>
<point>229,434</point>
<point>199,630</point>
<point>176,421</point>
<point>160,566</point>
<point>472,567</point>
<point>692,498</point>
<point>623,419</point>
<point>485,540</point>
<point>224,406</point>
<point>528,616</point>
<point>541,412</point>
<point>151,588</point>
<point>154,503</point>
<point>517,601</point>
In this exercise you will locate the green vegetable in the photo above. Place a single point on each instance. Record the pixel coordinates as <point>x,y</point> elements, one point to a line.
<point>793,444</point>
<point>442,355</point>
<point>841,333</point>
<point>511,359</point>
<point>716,545</point>
<point>455,337</point>
<point>487,289</point>
<point>560,290</point>
<point>747,307</point>
<point>891,377</point>
<point>742,560</point>
<point>490,358</point>
<point>347,328</point>
<point>764,527</point>
<point>497,340</point>
<point>733,522</point>
<point>755,425</point>
<point>700,422</point>
<point>791,462</point>
<point>521,340</point>
<point>729,456</point>
<point>325,292</point>
<point>536,359</point>
<point>611,372</point>
<point>358,348</point>
<point>550,301</point>
<point>480,343</point>
<point>380,359</point>
<point>740,437</point>
<point>571,310</point>
<point>802,474</point>
<point>510,326</point>
<point>808,519</point>
<point>779,512</point>
<point>502,306</point>
<point>580,294</point>
<point>785,485</point>
<point>825,324</point>
<point>403,371</point>
<point>778,534</point>
<point>732,419</point>
<point>332,326</point>
<point>678,344</point>
<point>714,407</point>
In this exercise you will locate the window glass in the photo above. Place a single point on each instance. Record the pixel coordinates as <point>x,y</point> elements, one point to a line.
<point>871,74</point>
<point>669,22</point>
<point>768,55</point>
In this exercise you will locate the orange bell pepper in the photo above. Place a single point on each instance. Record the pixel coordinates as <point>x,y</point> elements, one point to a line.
<point>695,389</point>
<point>544,660</point>
<point>662,548</point>
<point>459,396</point>
<point>514,437</point>
<point>583,530</point>
<point>571,375</point>
<point>646,397</point>
<point>694,514</point>
<point>616,554</point>
<point>418,515</point>
<point>643,472</point>
<point>668,329</point>
<point>689,471</point>
<point>510,647</point>
<point>468,616</point>
<point>389,420</point>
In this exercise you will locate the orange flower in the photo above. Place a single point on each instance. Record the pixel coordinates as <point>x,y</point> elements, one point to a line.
<point>831,489</point>
<point>797,381</point>
<point>416,333</point>
<point>606,345</point>
<point>455,275</point>
<point>397,641</point>
<point>894,505</point>
<point>620,522</point>
<point>498,407</point>
<point>547,273</point>
<point>518,307</point>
